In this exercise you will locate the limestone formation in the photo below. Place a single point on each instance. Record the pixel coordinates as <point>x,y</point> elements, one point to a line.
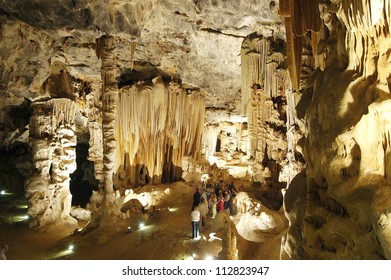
<point>290,96</point>
<point>52,140</point>
<point>346,139</point>
<point>167,115</point>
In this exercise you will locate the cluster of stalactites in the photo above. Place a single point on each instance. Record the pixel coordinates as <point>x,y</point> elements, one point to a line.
<point>51,115</point>
<point>259,68</point>
<point>264,78</point>
<point>367,24</point>
<point>301,17</point>
<point>209,139</point>
<point>63,111</point>
<point>156,121</point>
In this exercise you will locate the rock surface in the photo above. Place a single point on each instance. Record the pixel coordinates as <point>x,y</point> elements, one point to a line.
<point>292,95</point>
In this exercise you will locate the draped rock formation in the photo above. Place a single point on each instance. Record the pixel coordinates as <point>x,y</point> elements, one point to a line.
<point>52,140</point>
<point>266,88</point>
<point>157,124</point>
<point>345,214</point>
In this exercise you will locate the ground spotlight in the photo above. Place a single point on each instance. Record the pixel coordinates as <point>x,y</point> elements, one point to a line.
<point>141,226</point>
<point>208,258</point>
<point>71,247</point>
<point>2,192</point>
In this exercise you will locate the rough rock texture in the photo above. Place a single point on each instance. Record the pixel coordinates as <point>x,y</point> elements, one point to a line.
<point>85,51</point>
<point>158,124</point>
<point>67,64</point>
<point>52,140</point>
<point>264,88</point>
<point>346,143</point>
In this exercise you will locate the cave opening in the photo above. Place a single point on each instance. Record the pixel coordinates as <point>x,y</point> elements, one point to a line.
<point>83,180</point>
<point>218,144</point>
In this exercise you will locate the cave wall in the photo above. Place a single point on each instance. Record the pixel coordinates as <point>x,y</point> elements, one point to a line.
<point>344,105</point>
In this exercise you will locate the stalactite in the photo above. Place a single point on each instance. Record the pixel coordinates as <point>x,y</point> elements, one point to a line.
<point>365,31</point>
<point>355,45</point>
<point>259,65</point>
<point>301,16</point>
<point>133,45</point>
<point>156,121</point>
<point>209,140</point>
<point>263,96</point>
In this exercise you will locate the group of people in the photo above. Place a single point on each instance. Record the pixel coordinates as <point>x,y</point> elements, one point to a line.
<point>214,198</point>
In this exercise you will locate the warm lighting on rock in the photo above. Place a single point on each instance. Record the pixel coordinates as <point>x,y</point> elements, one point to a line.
<point>204,177</point>
<point>212,236</point>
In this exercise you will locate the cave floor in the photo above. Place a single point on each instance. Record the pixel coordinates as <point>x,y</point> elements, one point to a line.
<point>165,237</point>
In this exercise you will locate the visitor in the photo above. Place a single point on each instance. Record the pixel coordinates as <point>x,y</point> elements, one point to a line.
<point>203,208</point>
<point>196,198</point>
<point>195,219</point>
<point>220,204</point>
<point>227,204</point>
<point>234,200</point>
<point>204,195</point>
<point>213,205</point>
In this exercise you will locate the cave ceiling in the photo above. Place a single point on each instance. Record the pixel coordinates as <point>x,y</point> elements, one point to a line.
<point>197,40</point>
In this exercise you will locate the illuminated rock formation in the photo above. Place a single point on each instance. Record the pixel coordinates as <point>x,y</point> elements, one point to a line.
<point>160,92</point>
<point>346,146</point>
<point>52,140</point>
<point>268,103</point>
<point>157,125</point>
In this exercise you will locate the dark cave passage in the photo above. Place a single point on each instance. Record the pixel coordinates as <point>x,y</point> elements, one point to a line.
<point>83,181</point>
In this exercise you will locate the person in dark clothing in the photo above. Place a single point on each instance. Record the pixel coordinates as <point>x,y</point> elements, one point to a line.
<point>196,198</point>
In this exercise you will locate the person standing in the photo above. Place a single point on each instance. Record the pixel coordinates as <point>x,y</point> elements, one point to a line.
<point>196,198</point>
<point>220,204</point>
<point>195,219</point>
<point>203,208</point>
<point>213,205</point>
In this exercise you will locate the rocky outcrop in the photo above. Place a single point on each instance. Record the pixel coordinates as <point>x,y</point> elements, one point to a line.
<point>52,140</point>
<point>346,143</point>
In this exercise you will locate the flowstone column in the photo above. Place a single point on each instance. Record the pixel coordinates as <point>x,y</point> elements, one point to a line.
<point>106,46</point>
<point>52,140</point>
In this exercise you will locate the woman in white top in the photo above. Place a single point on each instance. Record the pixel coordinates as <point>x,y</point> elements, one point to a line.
<point>195,219</point>
<point>213,204</point>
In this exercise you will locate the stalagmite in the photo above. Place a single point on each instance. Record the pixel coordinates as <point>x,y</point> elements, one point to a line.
<point>109,103</point>
<point>52,140</point>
